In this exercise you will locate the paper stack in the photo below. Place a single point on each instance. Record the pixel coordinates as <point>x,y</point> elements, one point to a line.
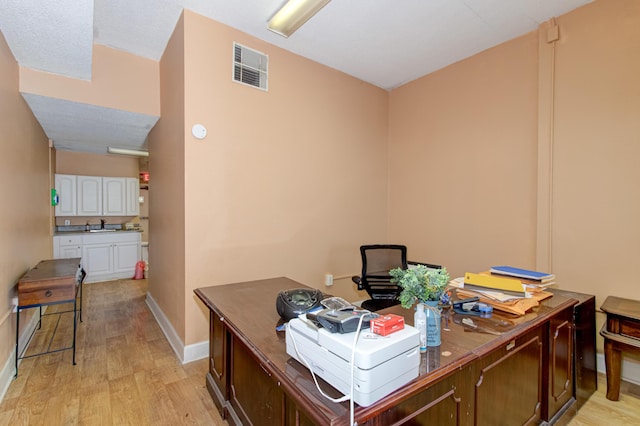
<point>506,294</point>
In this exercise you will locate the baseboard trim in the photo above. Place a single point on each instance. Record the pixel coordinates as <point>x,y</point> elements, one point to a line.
<point>196,351</point>
<point>630,369</point>
<point>8,371</point>
<point>6,374</point>
<point>184,353</point>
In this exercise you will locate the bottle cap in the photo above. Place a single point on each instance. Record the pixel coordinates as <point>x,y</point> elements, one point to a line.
<point>420,307</point>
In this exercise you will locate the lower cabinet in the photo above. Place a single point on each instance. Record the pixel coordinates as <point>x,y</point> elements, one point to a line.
<point>105,256</point>
<point>67,246</point>
<point>217,380</point>
<point>254,395</point>
<point>561,379</point>
<point>508,382</point>
<point>110,256</point>
<point>446,402</point>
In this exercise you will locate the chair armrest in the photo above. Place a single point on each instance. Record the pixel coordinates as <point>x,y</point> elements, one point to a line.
<point>357,279</point>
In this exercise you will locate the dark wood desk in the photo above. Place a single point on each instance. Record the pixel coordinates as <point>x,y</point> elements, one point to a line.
<point>521,375</point>
<point>621,332</point>
<point>50,282</point>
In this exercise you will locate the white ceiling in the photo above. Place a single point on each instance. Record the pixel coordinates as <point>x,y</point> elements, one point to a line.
<point>384,42</point>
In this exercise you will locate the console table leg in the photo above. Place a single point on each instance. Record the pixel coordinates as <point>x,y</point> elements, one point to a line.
<point>75,322</point>
<point>612,360</point>
<point>17,338</point>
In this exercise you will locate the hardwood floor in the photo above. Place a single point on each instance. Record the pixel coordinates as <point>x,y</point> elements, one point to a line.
<point>126,372</point>
<point>600,411</point>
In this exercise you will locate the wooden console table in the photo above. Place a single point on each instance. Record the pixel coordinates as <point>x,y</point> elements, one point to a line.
<point>520,373</point>
<point>50,282</point>
<point>621,332</point>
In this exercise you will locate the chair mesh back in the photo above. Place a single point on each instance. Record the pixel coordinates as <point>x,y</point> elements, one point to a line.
<point>377,261</point>
<point>381,260</point>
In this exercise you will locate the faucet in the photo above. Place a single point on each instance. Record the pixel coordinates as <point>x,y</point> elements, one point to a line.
<point>102,221</point>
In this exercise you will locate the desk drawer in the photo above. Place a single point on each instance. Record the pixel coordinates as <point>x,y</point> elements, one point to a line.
<point>630,327</point>
<point>70,240</point>
<point>35,293</point>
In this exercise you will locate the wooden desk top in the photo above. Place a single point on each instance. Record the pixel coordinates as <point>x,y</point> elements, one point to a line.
<point>50,281</point>
<point>51,270</point>
<point>248,310</point>
<point>619,306</point>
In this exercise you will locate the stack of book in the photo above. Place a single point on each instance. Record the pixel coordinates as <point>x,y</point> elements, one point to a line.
<point>532,279</point>
<point>506,288</point>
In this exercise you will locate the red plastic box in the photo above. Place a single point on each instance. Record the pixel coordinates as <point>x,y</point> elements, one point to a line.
<point>387,324</point>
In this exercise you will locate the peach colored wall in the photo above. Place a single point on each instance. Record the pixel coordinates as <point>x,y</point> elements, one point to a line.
<point>287,182</point>
<point>462,161</point>
<point>167,187</point>
<point>464,147</point>
<point>596,150</point>
<point>119,80</point>
<point>25,178</point>
<point>88,164</point>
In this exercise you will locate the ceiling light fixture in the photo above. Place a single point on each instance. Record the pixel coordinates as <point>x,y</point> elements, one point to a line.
<point>293,14</point>
<point>125,151</point>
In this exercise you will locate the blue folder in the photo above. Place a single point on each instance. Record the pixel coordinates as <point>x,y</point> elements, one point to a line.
<point>521,273</point>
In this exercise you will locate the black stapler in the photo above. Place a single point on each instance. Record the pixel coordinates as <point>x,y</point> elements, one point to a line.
<point>472,306</point>
<point>460,304</point>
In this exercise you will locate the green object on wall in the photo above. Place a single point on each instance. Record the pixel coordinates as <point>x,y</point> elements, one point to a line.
<point>54,197</point>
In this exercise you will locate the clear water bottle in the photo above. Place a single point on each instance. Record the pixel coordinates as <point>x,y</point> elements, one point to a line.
<point>433,324</point>
<point>420,322</point>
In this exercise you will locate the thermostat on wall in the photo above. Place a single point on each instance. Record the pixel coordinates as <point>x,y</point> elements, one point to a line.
<point>199,131</point>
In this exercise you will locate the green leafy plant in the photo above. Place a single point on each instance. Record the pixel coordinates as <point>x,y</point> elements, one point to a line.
<point>419,284</point>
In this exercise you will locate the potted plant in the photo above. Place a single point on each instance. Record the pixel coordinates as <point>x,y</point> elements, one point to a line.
<point>420,284</point>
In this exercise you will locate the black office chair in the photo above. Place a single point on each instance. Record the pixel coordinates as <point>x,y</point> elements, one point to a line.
<point>377,261</point>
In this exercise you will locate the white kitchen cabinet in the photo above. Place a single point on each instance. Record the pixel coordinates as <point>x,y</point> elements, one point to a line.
<point>97,196</point>
<point>114,196</point>
<point>133,197</point>
<point>89,195</point>
<point>110,255</point>
<point>67,246</point>
<point>97,261</point>
<point>125,257</point>
<point>65,186</point>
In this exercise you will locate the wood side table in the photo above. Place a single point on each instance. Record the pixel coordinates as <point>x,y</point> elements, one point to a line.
<point>621,332</point>
<point>50,282</point>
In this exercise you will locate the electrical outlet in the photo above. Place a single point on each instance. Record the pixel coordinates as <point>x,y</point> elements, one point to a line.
<point>328,280</point>
<point>67,222</point>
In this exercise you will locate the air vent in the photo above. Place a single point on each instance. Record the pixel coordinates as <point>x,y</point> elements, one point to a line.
<point>250,66</point>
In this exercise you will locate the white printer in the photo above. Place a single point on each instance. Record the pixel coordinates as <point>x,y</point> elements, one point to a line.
<point>382,363</point>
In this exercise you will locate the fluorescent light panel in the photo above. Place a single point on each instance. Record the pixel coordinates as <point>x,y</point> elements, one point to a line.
<point>293,14</point>
<point>125,151</point>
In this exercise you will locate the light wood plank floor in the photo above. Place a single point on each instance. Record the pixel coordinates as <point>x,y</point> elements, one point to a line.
<point>599,411</point>
<point>126,372</point>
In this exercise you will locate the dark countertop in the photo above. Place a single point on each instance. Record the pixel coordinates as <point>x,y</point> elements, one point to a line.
<point>82,232</point>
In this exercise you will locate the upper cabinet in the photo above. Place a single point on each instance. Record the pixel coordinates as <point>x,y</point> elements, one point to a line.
<point>96,196</point>
<point>89,195</point>
<point>66,190</point>
<point>114,196</point>
<point>133,197</point>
